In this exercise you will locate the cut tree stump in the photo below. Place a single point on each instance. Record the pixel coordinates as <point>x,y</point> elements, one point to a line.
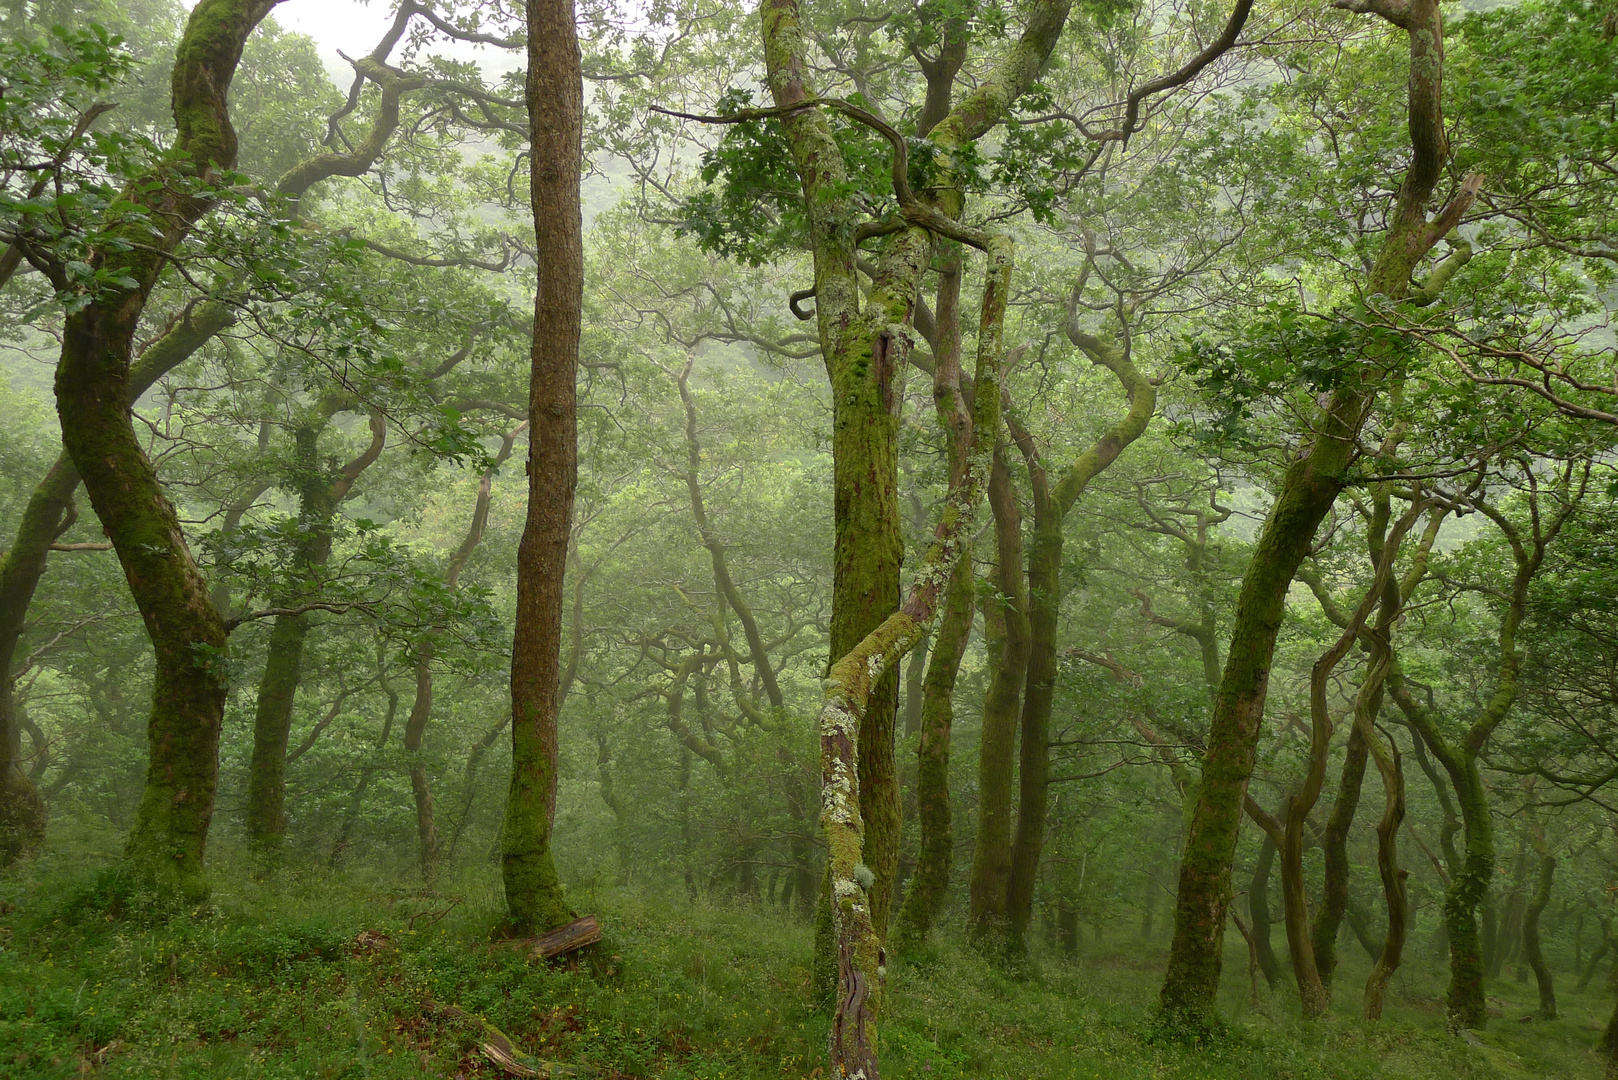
<point>563,940</point>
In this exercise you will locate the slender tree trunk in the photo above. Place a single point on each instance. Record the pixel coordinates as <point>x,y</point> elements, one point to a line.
<point>1334,848</point>
<point>929,887</point>
<point>1005,632</point>
<point>555,96</point>
<point>1033,775</point>
<point>1387,861</point>
<point>319,494</point>
<point>1258,909</point>
<point>1597,955</point>
<point>1530,938</point>
<point>48,513</point>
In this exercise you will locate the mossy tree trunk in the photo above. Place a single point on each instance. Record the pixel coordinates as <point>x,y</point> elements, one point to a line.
<point>165,849</point>
<point>1306,493</point>
<point>49,514</point>
<point>555,97</point>
<point>319,494</point>
<point>865,341</point>
<point>1052,504</point>
<point>1005,634</point>
<point>1549,510</point>
<point>861,959</point>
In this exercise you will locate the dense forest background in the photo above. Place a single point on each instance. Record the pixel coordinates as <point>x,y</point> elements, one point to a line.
<point>1092,547</point>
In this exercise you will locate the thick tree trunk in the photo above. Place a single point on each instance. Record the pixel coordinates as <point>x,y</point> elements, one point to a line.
<point>49,513</point>
<point>165,848</point>
<point>555,96</point>
<point>861,959</point>
<point>1306,493</point>
<point>1530,938</point>
<point>1334,848</point>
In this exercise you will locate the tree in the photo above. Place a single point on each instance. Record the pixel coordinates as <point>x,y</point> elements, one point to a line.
<point>1311,485</point>
<point>555,97</point>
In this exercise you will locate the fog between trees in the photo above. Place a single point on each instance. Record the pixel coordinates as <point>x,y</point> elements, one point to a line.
<point>993,494</point>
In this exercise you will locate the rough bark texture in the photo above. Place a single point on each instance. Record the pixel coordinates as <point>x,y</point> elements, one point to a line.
<point>165,848</point>
<point>555,94</point>
<point>849,687</point>
<point>1306,494</point>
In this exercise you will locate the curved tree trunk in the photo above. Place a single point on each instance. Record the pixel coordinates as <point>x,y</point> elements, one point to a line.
<point>1307,491</point>
<point>1530,938</point>
<point>555,97</point>
<point>165,848</point>
<point>1258,910</point>
<point>1334,849</point>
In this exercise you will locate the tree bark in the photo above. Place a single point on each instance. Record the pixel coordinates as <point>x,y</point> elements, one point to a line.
<point>861,959</point>
<point>1307,491</point>
<point>1334,849</point>
<point>555,97</point>
<point>1258,910</point>
<point>165,848</point>
<point>1530,938</point>
<point>1005,633</point>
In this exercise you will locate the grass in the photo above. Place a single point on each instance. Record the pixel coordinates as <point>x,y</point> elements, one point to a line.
<point>282,979</point>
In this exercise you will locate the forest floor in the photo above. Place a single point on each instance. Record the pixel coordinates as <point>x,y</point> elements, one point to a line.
<point>322,976</point>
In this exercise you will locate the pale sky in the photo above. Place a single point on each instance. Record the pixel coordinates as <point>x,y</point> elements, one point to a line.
<point>354,27</point>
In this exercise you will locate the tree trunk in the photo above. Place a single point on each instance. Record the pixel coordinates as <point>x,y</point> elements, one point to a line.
<point>1033,775</point>
<point>165,848</point>
<point>555,97</point>
<point>1005,632</point>
<point>1258,909</point>
<point>1334,848</point>
<point>1387,844</point>
<point>1467,889</point>
<point>929,886</point>
<point>48,514</point>
<point>1307,491</point>
<point>1530,938</point>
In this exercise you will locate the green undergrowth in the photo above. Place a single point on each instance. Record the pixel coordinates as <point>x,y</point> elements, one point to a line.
<point>312,975</point>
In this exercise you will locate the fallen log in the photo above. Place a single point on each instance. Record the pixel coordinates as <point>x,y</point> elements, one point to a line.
<point>563,940</point>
